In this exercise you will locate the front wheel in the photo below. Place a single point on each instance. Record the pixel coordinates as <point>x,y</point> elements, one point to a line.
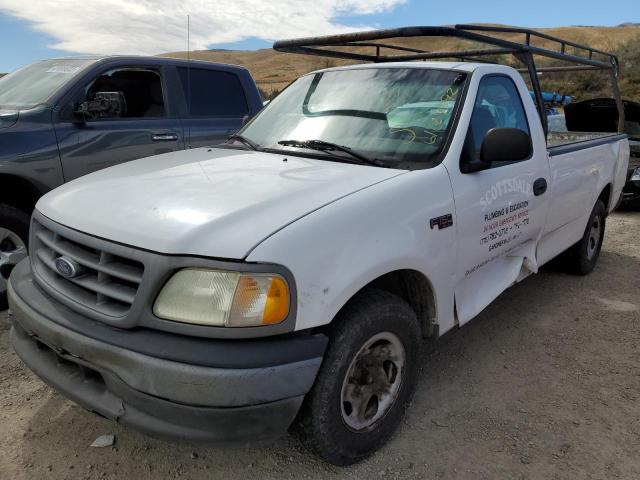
<point>583,256</point>
<point>366,380</point>
<point>14,232</point>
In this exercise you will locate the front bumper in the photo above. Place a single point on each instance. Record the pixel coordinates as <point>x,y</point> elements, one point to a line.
<point>173,393</point>
<point>631,190</point>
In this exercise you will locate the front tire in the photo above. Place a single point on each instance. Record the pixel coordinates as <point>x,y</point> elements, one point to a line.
<point>366,380</point>
<point>14,233</point>
<point>583,256</point>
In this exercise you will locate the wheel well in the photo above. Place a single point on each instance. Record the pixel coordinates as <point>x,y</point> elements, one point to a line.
<point>605,196</point>
<point>415,289</point>
<point>18,192</point>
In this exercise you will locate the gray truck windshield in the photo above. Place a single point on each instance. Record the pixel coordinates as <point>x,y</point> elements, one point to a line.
<point>400,116</point>
<point>35,84</point>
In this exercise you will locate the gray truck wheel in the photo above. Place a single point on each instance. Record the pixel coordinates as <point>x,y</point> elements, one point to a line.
<point>366,380</point>
<point>14,232</point>
<point>581,259</point>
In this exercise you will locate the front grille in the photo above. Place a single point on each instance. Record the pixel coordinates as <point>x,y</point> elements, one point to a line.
<point>108,283</point>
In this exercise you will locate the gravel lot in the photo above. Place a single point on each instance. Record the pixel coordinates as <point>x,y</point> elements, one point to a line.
<point>544,384</point>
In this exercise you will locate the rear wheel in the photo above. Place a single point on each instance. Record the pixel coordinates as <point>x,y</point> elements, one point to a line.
<point>366,380</point>
<point>583,256</point>
<point>14,231</point>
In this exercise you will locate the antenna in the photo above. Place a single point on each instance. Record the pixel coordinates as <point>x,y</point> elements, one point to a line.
<point>188,145</point>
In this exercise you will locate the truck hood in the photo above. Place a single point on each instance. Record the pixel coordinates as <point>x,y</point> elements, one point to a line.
<point>210,202</point>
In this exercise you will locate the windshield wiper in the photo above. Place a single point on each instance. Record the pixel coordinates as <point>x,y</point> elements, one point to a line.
<point>323,146</point>
<point>244,140</point>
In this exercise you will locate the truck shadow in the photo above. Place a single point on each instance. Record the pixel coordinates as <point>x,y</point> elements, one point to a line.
<point>506,389</point>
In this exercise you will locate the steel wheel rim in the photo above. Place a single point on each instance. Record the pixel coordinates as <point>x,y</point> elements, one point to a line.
<point>12,251</point>
<point>372,383</point>
<point>594,237</point>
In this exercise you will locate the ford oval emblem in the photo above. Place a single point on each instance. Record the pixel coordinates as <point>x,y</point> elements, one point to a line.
<point>67,268</point>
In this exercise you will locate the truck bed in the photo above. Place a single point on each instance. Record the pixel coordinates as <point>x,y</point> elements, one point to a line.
<point>555,139</point>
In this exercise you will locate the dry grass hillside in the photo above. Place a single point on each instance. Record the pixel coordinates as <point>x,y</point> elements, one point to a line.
<point>273,70</point>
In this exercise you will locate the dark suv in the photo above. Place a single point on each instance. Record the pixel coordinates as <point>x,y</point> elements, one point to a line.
<point>601,115</point>
<point>63,118</point>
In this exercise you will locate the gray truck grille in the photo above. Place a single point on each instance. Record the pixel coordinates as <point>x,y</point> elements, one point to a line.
<point>107,284</point>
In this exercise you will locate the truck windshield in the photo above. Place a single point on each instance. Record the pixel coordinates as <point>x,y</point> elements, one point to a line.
<point>35,84</point>
<point>398,116</point>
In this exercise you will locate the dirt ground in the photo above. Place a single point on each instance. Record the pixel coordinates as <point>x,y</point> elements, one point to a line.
<point>544,384</point>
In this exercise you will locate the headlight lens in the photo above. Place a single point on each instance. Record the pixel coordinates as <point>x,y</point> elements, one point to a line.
<point>635,176</point>
<point>223,299</point>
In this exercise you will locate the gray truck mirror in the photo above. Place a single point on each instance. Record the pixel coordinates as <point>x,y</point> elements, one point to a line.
<point>104,105</point>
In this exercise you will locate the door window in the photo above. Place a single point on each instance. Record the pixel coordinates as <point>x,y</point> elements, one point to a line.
<point>138,92</point>
<point>498,105</point>
<point>212,93</point>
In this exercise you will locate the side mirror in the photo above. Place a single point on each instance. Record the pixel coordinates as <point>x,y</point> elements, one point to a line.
<point>498,145</point>
<point>104,105</point>
<point>505,145</point>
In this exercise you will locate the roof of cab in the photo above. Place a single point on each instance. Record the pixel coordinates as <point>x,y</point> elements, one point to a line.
<point>436,65</point>
<point>150,59</point>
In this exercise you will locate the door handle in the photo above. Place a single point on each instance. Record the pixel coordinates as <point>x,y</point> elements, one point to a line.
<point>539,186</point>
<point>164,137</point>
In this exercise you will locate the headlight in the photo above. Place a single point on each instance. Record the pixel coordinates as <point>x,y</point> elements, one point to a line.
<point>223,299</point>
<point>635,176</point>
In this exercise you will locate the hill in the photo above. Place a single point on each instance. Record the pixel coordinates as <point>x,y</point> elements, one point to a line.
<point>273,70</point>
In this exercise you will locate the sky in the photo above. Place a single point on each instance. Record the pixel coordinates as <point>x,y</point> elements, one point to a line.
<point>31,30</point>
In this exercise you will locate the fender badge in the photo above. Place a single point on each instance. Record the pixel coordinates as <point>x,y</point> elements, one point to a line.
<point>441,222</point>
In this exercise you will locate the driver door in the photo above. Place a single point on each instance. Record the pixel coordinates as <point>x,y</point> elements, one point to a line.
<point>499,217</point>
<point>143,127</point>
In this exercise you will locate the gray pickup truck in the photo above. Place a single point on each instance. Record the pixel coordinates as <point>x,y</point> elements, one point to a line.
<point>63,118</point>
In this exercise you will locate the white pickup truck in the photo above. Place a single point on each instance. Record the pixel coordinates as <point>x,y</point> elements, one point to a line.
<point>219,294</point>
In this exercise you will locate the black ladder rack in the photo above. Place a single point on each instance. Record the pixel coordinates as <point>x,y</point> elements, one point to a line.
<point>582,57</point>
